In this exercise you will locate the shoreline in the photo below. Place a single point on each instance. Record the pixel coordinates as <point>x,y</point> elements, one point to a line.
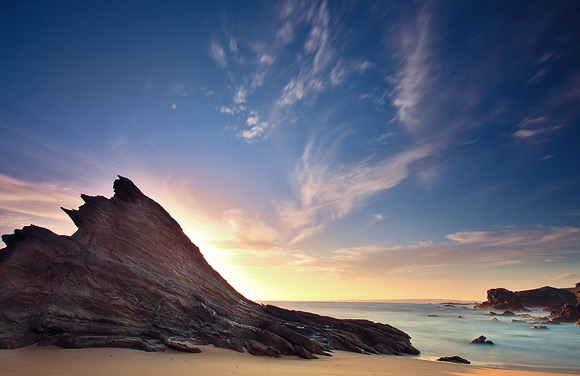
<point>51,360</point>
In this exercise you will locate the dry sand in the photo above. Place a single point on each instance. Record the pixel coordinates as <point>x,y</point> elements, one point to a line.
<point>36,360</point>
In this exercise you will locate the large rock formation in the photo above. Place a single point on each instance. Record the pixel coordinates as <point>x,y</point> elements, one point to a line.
<point>129,277</point>
<point>501,299</point>
<point>565,313</point>
<point>546,296</point>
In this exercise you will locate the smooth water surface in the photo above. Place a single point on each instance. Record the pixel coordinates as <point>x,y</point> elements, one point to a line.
<point>556,349</point>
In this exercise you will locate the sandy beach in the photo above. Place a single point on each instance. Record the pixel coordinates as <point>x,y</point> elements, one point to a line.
<point>48,361</point>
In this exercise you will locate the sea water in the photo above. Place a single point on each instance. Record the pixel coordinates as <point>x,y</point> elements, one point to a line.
<point>436,330</point>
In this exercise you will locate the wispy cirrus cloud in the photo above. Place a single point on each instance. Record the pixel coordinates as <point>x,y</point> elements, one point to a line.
<point>556,110</point>
<point>415,78</point>
<point>304,34</point>
<point>218,53</point>
<point>482,248</point>
<point>256,127</point>
<point>343,69</point>
<point>313,75</point>
<point>534,126</point>
<point>248,231</point>
<point>328,190</point>
<point>240,95</point>
<point>564,276</point>
<point>24,202</point>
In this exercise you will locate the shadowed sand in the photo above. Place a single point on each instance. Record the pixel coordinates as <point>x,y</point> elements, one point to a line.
<point>47,361</point>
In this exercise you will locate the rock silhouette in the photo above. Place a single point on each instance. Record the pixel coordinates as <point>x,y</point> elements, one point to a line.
<point>454,359</point>
<point>546,296</point>
<point>501,298</point>
<point>129,277</point>
<point>542,297</point>
<point>481,340</point>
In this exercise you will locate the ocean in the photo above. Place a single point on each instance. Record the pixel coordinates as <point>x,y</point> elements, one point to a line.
<point>556,349</point>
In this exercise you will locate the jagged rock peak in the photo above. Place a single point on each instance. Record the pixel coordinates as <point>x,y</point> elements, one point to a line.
<point>126,190</point>
<point>130,277</point>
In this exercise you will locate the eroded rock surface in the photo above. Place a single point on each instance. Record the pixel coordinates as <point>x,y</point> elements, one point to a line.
<point>130,277</point>
<point>565,313</point>
<point>502,299</point>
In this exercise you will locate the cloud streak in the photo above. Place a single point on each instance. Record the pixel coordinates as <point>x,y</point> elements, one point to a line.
<point>468,248</point>
<point>415,77</point>
<point>328,190</point>
<point>306,33</point>
<point>218,53</point>
<point>534,126</point>
<point>25,202</point>
<point>313,75</point>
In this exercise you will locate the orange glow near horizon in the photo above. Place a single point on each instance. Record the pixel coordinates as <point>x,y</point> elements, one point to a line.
<point>265,267</point>
<point>259,278</point>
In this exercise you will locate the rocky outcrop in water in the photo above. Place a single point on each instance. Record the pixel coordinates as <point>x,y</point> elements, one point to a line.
<point>501,299</point>
<point>454,359</point>
<point>542,297</point>
<point>565,313</point>
<point>130,277</point>
<point>546,296</point>
<point>481,340</point>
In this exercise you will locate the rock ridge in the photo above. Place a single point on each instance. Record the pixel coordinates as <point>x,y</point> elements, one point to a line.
<point>129,277</point>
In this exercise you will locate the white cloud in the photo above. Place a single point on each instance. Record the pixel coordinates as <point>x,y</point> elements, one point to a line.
<point>286,33</point>
<point>233,45</point>
<point>258,79</point>
<point>292,92</point>
<point>227,110</point>
<point>218,53</point>
<point>525,133</point>
<point>314,69</point>
<point>266,59</point>
<point>533,126</point>
<point>482,248</point>
<point>240,95</point>
<point>363,66</point>
<point>378,218</point>
<point>328,190</point>
<point>257,127</point>
<point>415,78</point>
<point>253,118</point>
<point>342,70</point>
<point>313,75</point>
<point>257,130</point>
<point>338,73</point>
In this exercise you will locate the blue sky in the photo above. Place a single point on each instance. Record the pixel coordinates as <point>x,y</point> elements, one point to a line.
<point>313,150</point>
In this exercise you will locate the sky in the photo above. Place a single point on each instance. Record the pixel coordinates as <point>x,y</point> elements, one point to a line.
<point>313,150</point>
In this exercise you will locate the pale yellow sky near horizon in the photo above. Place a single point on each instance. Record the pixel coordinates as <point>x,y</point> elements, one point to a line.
<point>273,269</point>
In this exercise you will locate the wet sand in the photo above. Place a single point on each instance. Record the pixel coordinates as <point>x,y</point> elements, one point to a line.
<point>48,361</point>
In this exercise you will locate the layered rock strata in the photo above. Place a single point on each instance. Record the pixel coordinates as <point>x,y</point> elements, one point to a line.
<point>130,277</point>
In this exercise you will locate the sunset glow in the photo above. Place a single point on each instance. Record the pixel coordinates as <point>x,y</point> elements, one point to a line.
<point>312,150</point>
